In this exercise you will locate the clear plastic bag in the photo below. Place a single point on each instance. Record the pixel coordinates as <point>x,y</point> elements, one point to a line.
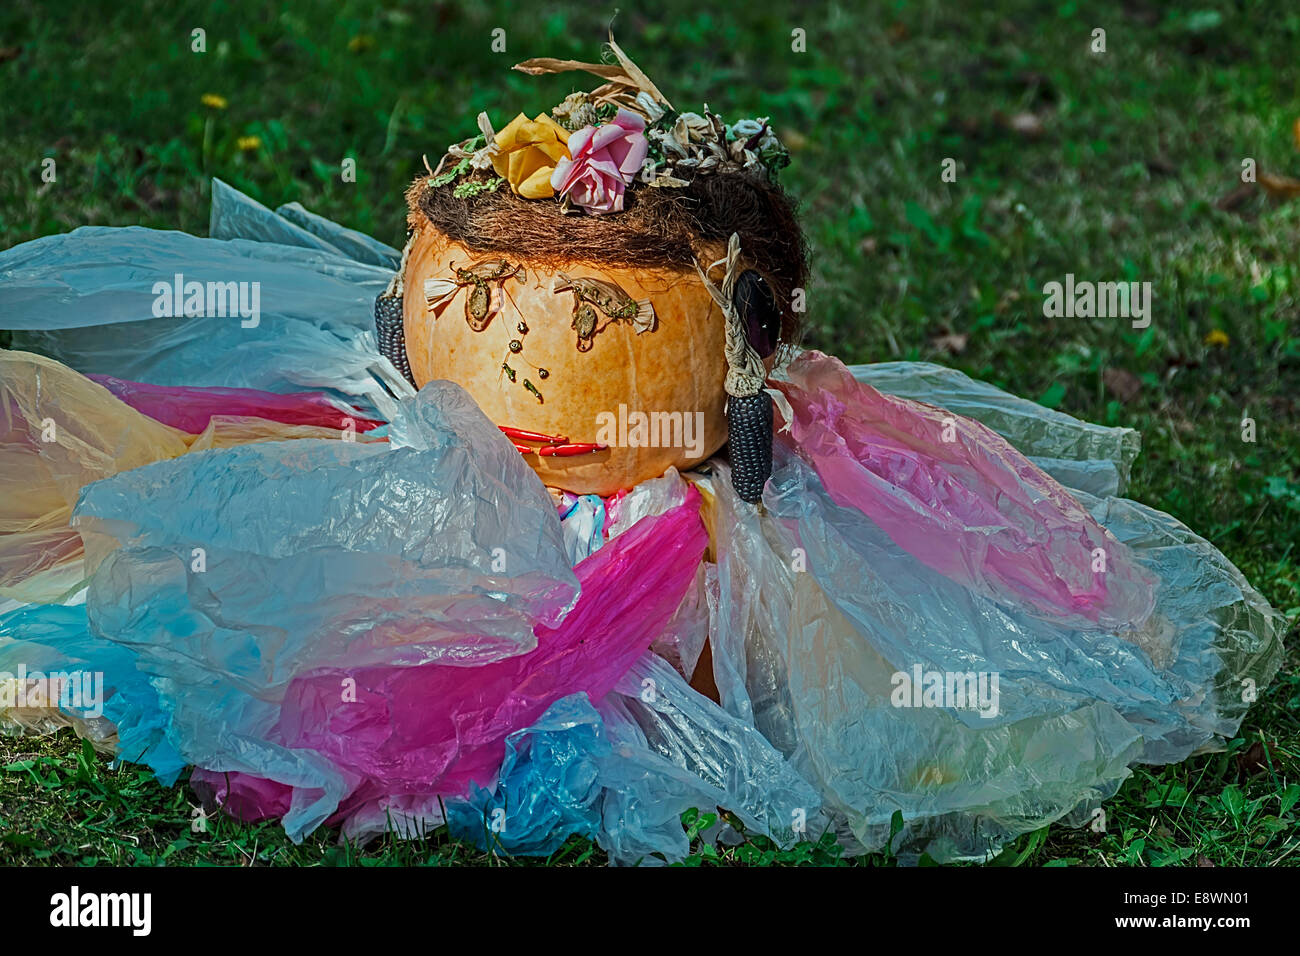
<point>59,432</point>
<point>87,298</point>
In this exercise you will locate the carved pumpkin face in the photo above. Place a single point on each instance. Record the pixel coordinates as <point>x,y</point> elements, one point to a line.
<point>572,350</point>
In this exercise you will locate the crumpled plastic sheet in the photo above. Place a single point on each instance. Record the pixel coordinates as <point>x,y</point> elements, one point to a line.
<point>117,707</point>
<point>550,785</point>
<point>440,728</point>
<point>812,657</point>
<point>232,572</point>
<point>1092,458</point>
<point>623,773</point>
<point>958,497</point>
<point>236,216</point>
<point>707,759</point>
<point>582,518</point>
<point>192,409</point>
<point>58,432</point>
<point>86,299</point>
<point>226,431</point>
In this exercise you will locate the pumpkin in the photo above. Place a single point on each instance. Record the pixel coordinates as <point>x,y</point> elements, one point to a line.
<point>544,349</point>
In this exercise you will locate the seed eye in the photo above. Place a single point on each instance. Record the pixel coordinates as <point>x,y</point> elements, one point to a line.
<point>757,307</point>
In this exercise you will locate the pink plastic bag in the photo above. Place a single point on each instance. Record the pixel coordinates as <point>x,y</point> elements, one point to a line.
<point>191,409</point>
<point>958,497</point>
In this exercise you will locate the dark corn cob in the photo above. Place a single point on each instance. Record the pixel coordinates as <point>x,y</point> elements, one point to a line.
<point>388,327</point>
<point>749,428</point>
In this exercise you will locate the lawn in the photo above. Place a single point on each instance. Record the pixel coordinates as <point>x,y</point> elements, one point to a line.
<point>1117,165</point>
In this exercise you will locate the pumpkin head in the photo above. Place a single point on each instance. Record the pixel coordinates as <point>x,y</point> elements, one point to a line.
<point>627,358</point>
<point>582,311</point>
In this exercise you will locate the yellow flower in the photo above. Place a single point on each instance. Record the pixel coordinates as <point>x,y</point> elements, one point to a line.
<point>213,101</point>
<point>249,143</point>
<point>1217,337</point>
<point>361,42</point>
<point>527,151</point>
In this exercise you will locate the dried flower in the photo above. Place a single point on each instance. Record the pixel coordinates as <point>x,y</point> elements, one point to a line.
<point>575,112</point>
<point>605,159</point>
<point>528,153</point>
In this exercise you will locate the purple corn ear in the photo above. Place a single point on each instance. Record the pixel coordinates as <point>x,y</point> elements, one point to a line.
<point>749,425</point>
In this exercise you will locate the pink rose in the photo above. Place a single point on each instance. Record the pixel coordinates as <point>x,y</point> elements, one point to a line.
<point>605,159</point>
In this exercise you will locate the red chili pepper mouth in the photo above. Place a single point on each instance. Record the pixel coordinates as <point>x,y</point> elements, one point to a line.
<point>520,434</point>
<point>553,446</point>
<point>566,451</point>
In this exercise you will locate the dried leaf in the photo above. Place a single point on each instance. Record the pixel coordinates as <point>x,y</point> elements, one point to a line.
<point>642,81</point>
<point>1281,187</point>
<point>1253,761</point>
<point>539,66</point>
<point>485,127</point>
<point>1235,199</point>
<point>624,79</point>
<point>954,343</point>
<point>1121,383</point>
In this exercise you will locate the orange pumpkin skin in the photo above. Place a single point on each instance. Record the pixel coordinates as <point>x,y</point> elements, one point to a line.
<point>678,366</point>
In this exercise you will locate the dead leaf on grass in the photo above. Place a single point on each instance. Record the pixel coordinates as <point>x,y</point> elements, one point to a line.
<point>953,343</point>
<point>1121,383</point>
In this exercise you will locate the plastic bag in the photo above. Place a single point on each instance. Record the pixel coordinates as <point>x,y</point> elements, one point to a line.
<point>624,773</point>
<point>88,299</point>
<point>232,572</point>
<point>438,729</point>
<point>1063,446</point>
<point>59,432</point>
<point>829,653</point>
<point>236,216</point>
<point>192,409</point>
<point>959,497</point>
<point>103,695</point>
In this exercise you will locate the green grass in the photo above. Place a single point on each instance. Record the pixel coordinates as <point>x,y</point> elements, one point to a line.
<point>1116,176</point>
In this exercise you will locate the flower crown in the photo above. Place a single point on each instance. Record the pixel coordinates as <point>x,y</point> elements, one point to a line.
<point>594,146</point>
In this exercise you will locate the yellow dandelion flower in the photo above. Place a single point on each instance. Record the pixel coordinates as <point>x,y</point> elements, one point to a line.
<point>249,143</point>
<point>360,42</point>
<point>213,102</point>
<point>1217,338</point>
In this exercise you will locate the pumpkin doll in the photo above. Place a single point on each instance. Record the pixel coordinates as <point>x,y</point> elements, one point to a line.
<point>616,285</point>
<point>610,282</point>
